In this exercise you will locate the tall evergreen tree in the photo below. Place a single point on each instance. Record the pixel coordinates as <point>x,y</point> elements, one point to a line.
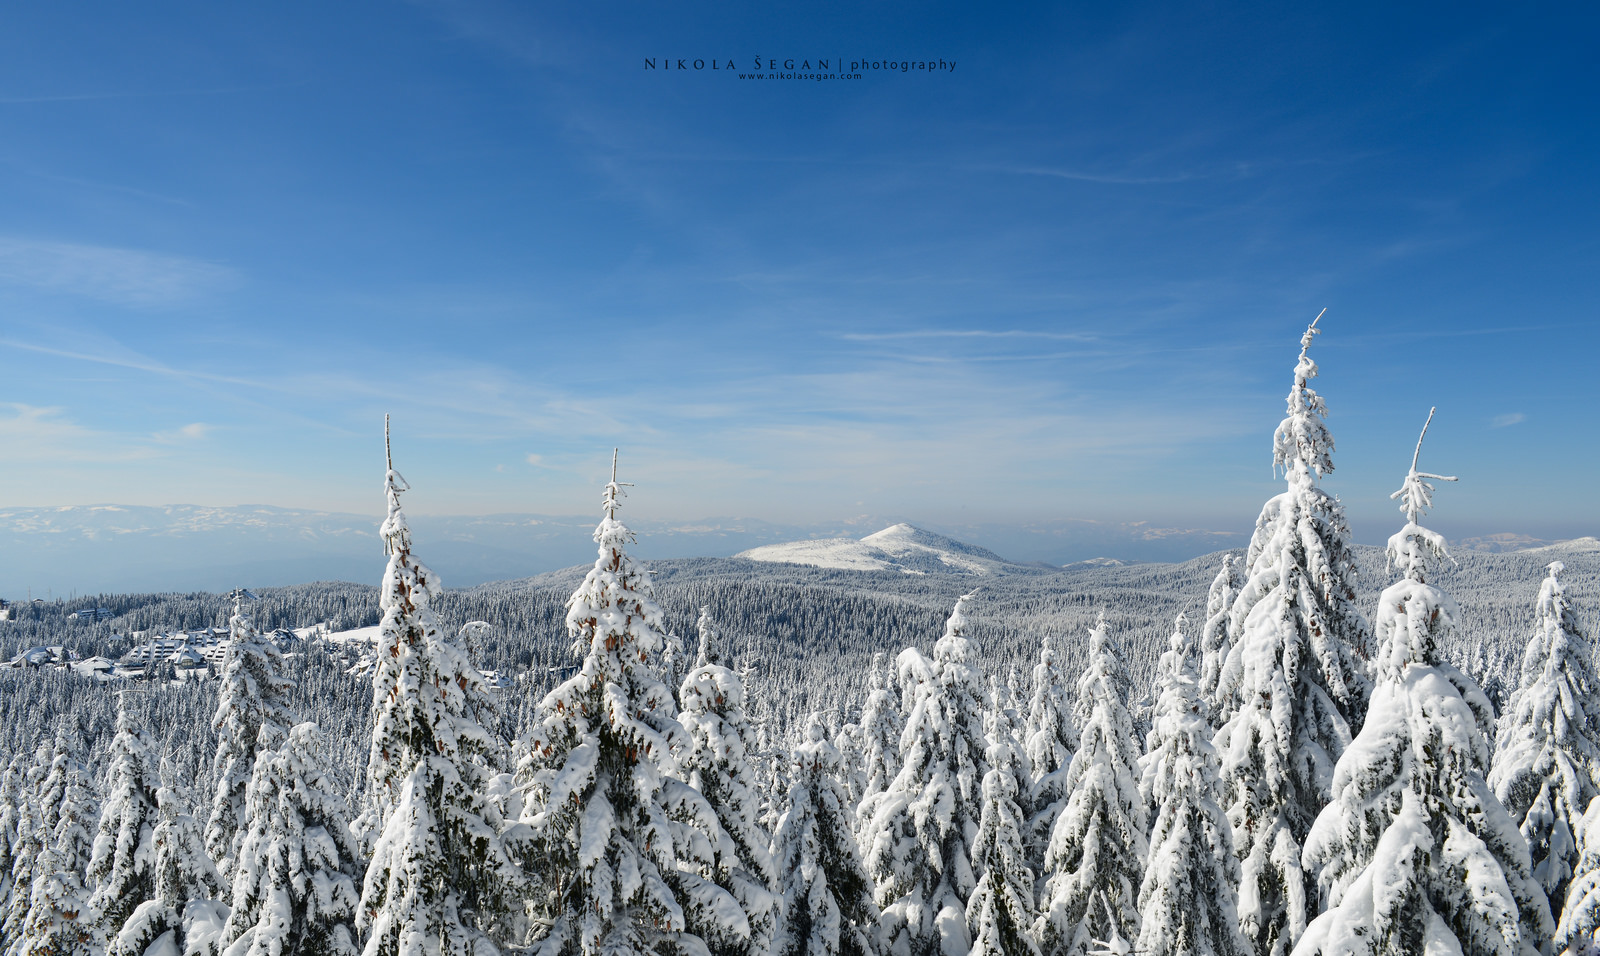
<point>249,695</point>
<point>1187,902</point>
<point>180,916</point>
<point>31,841</point>
<point>1051,741</point>
<point>11,824</point>
<point>622,841</point>
<point>1578,930</point>
<point>1547,751</point>
<point>120,868</point>
<point>1292,690</point>
<point>881,727</point>
<point>294,893</point>
<point>1415,854</point>
<point>716,762</point>
<point>61,919</point>
<point>1214,642</point>
<point>1000,912</point>
<point>827,907</point>
<point>439,878</point>
<point>1098,845</point>
<point>924,827</point>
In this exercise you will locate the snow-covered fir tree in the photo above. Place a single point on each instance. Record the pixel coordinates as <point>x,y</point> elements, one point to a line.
<point>11,823</point>
<point>826,896</point>
<point>1098,844</point>
<point>1001,728</point>
<point>881,727</point>
<point>1578,929</point>
<point>1415,854</point>
<point>1293,688</point>
<point>30,842</point>
<point>1000,912</point>
<point>622,842</point>
<point>1051,740</point>
<point>924,826</point>
<point>182,915</point>
<point>1214,642</point>
<point>249,695</point>
<point>294,892</point>
<point>61,919</point>
<point>1187,900</point>
<point>440,878</point>
<point>716,762</point>
<point>1547,751</point>
<point>121,872</point>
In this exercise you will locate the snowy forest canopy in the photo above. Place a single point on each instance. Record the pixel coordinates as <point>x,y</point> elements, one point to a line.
<point>1307,747</point>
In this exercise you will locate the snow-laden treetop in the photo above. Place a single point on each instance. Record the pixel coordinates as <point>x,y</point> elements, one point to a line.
<point>1302,444</point>
<point>1411,547</point>
<point>396,536</point>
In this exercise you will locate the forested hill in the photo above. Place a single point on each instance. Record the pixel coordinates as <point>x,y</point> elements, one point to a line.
<point>807,634</point>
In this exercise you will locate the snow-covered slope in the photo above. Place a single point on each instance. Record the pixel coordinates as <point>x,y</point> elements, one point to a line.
<point>901,547</point>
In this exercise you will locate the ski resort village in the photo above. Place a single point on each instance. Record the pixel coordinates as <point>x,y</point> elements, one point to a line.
<point>898,745</point>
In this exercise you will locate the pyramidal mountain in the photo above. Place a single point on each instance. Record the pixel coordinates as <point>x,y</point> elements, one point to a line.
<point>901,547</point>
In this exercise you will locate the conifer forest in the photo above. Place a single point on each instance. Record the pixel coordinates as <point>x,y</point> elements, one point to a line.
<point>1306,747</point>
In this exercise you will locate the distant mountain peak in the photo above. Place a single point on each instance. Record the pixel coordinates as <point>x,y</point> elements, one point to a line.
<point>900,547</point>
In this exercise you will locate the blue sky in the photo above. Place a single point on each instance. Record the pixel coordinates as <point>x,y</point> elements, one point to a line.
<point>1064,280</point>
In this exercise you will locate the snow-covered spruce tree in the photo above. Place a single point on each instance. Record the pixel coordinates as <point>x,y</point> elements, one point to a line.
<point>29,844</point>
<point>1000,727</point>
<point>716,762</point>
<point>439,879</point>
<point>1214,643</point>
<point>1578,930</point>
<point>120,872</point>
<point>622,842</point>
<point>182,915</point>
<point>1097,846</point>
<point>1187,900</point>
<point>63,761</point>
<point>61,920</point>
<point>919,844</point>
<point>249,695</point>
<point>294,892</point>
<point>1547,751</point>
<point>881,727</point>
<point>1415,854</point>
<point>827,907</point>
<point>1051,741</point>
<point>1293,689</point>
<point>11,823</point>
<point>1000,913</point>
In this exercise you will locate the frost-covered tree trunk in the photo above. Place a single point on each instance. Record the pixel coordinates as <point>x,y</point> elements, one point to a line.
<point>249,695</point>
<point>1415,854</point>
<point>1547,750</point>
<point>1187,901</point>
<point>1051,742</point>
<point>622,842</point>
<point>121,871</point>
<point>826,896</point>
<point>1098,844</point>
<point>439,879</point>
<point>716,762</point>
<point>61,920</point>
<point>1293,688</point>
<point>1000,912</point>
<point>925,825</point>
<point>1214,642</point>
<point>294,893</point>
<point>182,915</point>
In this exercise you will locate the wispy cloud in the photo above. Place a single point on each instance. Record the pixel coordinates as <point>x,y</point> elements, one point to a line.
<point>1109,179</point>
<point>1510,418</point>
<point>123,276</point>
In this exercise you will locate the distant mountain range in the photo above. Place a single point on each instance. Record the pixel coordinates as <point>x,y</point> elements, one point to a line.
<point>124,548</point>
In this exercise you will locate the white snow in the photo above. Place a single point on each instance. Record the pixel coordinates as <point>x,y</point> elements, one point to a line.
<point>901,547</point>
